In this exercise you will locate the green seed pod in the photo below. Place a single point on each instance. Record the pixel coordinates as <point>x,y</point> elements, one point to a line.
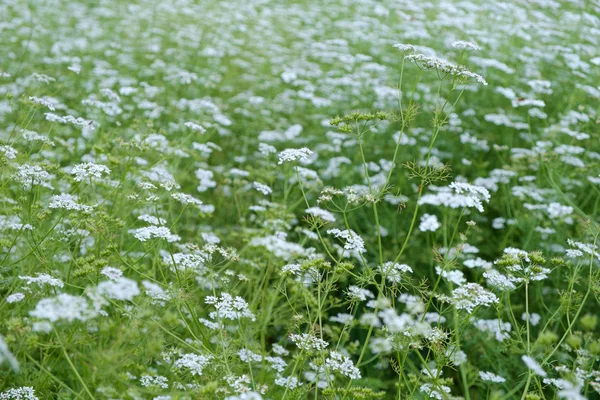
<point>589,322</point>
<point>548,338</point>
<point>574,341</point>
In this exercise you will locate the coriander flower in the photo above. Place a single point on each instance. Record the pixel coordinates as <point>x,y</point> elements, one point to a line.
<point>20,393</point>
<point>229,307</point>
<point>158,380</point>
<point>68,202</point>
<point>9,152</point>
<point>6,355</point>
<point>155,232</point>
<point>112,273</point>
<point>463,45</point>
<point>119,289</point>
<point>490,377</point>
<point>89,170</point>
<point>264,189</point>
<point>15,298</point>
<point>472,295</point>
<point>499,328</point>
<point>31,175</point>
<point>42,279</point>
<point>429,223</point>
<point>359,294</point>
<point>280,350</point>
<point>320,213</point>
<point>406,48</point>
<point>305,341</point>
<point>352,241</point>
<point>249,356</point>
<point>474,194</point>
<point>458,195</point>
<point>534,366</point>
<point>195,127</point>
<point>186,199</point>
<point>63,306</point>
<point>343,365</point>
<point>444,67</point>
<point>290,382</point>
<point>394,271</point>
<point>193,362</point>
<point>294,155</point>
<point>292,269</point>
<point>42,102</point>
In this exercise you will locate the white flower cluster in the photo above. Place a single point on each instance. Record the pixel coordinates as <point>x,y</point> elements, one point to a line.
<point>455,276</point>
<point>195,363</point>
<point>21,393</point>
<point>195,127</point>
<point>443,66</point>
<point>119,289</point>
<point>294,154</point>
<point>472,295</point>
<point>464,45</point>
<point>9,152</point>
<point>42,102</point>
<point>42,279</point>
<point>264,189</point>
<point>434,392</point>
<point>161,176</point>
<point>429,223</point>
<point>247,396</point>
<point>320,213</point>
<point>581,248</point>
<point>343,365</point>
<point>69,119</point>
<point>465,195</point>
<point>229,307</point>
<point>280,247</point>
<point>186,199</point>
<point>408,48</point>
<point>42,78</point>
<point>474,194</point>
<point>500,330</point>
<point>155,232</point>
<point>182,261</point>
<point>305,341</point>
<point>292,269</point>
<point>532,318</point>
<point>32,175</point>
<point>6,355</point>
<point>158,380</point>
<point>156,293</point>
<point>490,377</point>
<point>534,366</point>
<point>15,298</point>
<point>112,273</point>
<point>353,242</point>
<point>291,382</point>
<point>63,306</point>
<point>13,223</point>
<point>151,219</point>
<point>68,202</point>
<point>205,178</point>
<point>89,170</point>
<point>359,294</point>
<point>248,356</point>
<point>394,271</point>
<point>277,363</point>
<point>500,281</point>
<point>403,323</point>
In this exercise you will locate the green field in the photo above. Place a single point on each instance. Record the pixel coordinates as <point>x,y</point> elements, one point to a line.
<point>335,199</point>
